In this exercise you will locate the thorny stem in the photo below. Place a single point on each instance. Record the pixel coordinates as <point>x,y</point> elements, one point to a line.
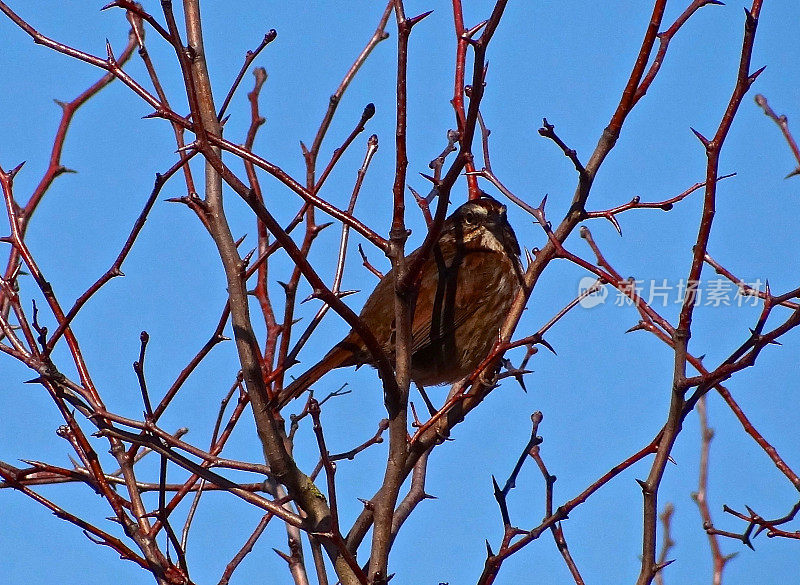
<point>683,331</point>
<point>396,398</point>
<point>55,168</point>
<point>783,124</point>
<point>204,112</point>
<point>209,137</point>
<point>701,495</point>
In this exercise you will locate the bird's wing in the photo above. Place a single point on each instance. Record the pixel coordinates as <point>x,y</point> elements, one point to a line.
<point>439,316</point>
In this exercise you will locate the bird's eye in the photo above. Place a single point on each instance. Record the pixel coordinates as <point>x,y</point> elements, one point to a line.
<point>469,217</point>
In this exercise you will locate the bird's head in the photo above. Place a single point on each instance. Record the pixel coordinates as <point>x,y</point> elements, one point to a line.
<point>482,224</point>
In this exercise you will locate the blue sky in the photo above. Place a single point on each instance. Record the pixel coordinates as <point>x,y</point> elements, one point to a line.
<point>603,396</point>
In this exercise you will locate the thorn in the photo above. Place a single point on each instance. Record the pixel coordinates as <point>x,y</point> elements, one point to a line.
<point>240,240</point>
<point>36,380</point>
<point>319,227</point>
<point>489,549</point>
<point>412,21</point>
<point>12,173</point>
<point>186,148</point>
<point>433,180</point>
<point>671,460</point>
<point>643,485</point>
<point>528,257</point>
<point>751,20</point>
<point>517,374</point>
<point>547,345</point>
<point>224,120</point>
<point>716,2</point>
<point>660,566</point>
<point>497,490</point>
<point>615,223</point>
<point>700,137</point>
<point>794,173</point>
<point>248,257</point>
<point>283,555</point>
<point>468,34</point>
<point>109,51</point>
<point>753,76</point>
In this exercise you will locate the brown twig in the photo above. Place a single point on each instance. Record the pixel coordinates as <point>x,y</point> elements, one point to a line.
<point>756,525</point>
<point>115,269</point>
<point>637,203</point>
<point>249,58</point>
<point>92,532</point>
<point>55,168</point>
<point>783,123</point>
<point>396,394</point>
<point>664,39</point>
<point>667,543</point>
<point>701,495</point>
<point>744,288</point>
<point>683,331</point>
<point>372,147</point>
<point>246,549</point>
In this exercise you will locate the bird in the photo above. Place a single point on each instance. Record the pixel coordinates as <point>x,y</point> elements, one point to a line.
<point>466,287</point>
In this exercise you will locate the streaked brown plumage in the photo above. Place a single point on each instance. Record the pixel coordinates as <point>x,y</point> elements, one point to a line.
<point>466,288</point>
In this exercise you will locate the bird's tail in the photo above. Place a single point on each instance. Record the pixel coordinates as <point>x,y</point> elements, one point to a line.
<point>337,357</point>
